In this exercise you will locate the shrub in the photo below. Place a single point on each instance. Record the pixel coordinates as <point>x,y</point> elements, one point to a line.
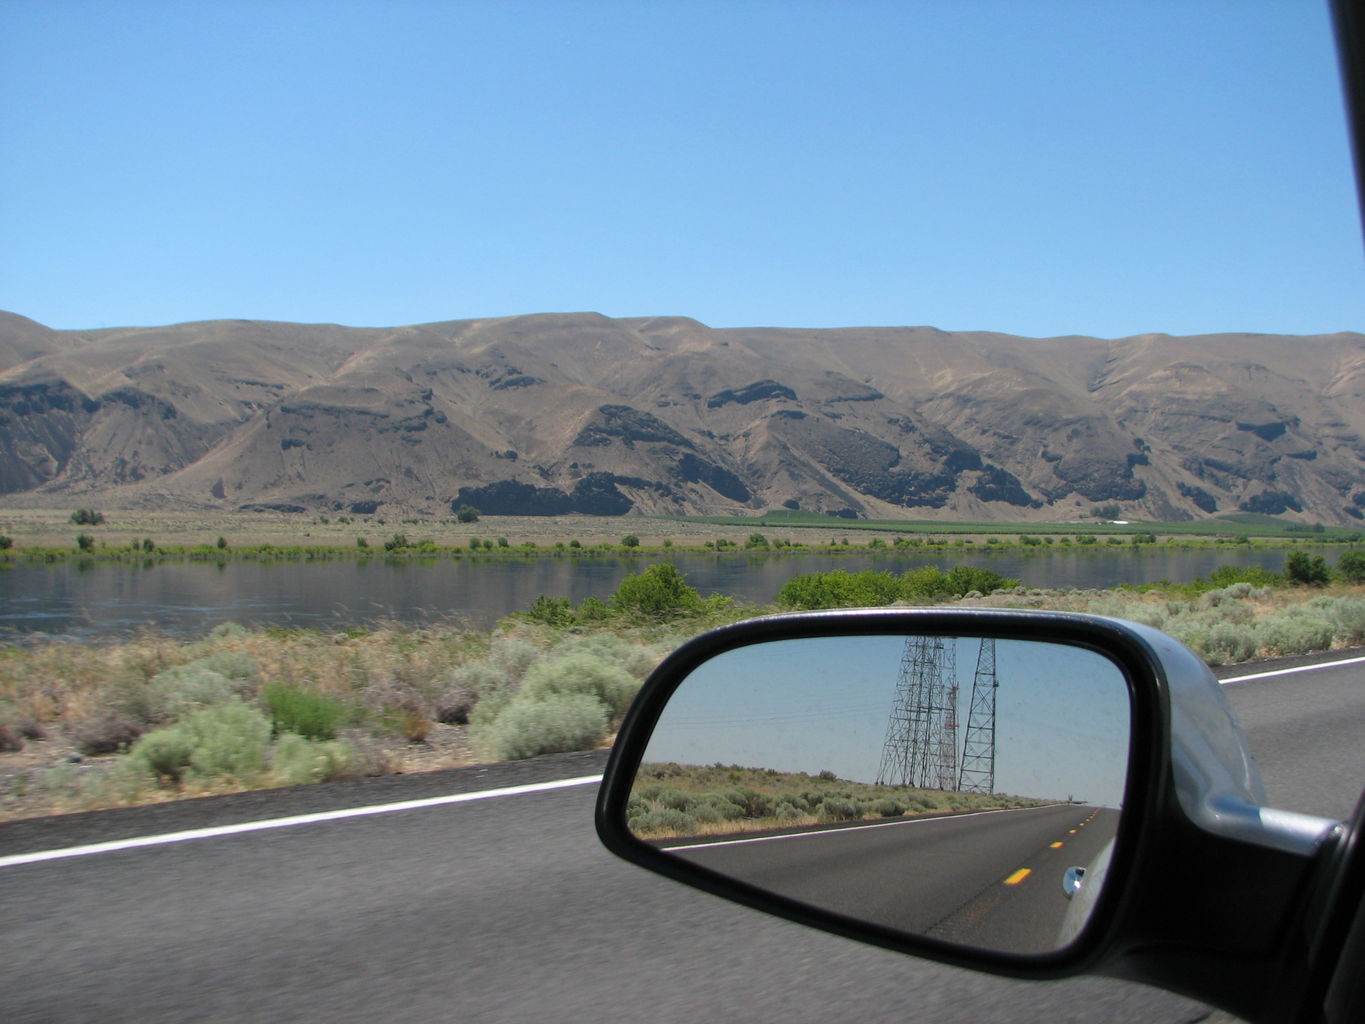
<point>551,611</point>
<point>660,592</point>
<point>10,739</point>
<point>1349,615</point>
<point>665,821</point>
<point>222,544</point>
<point>582,673</point>
<point>85,542</point>
<point>104,731</point>
<point>225,741</point>
<point>630,541</point>
<point>835,808</point>
<point>1220,643</point>
<point>467,514</point>
<point>87,517</point>
<point>298,761</point>
<point>1295,631</point>
<point>1350,566</point>
<point>6,542</point>
<point>1306,570</point>
<point>182,689</point>
<point>559,723</point>
<point>593,610</point>
<point>1226,575</point>
<point>315,716</point>
<point>841,589</point>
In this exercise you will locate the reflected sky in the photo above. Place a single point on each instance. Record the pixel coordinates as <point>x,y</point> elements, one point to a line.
<point>807,705</point>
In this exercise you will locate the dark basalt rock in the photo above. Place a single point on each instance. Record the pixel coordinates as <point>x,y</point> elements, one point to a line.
<point>996,484</point>
<point>1203,500</point>
<point>1271,503</point>
<point>629,425</point>
<point>694,469</point>
<point>754,392</point>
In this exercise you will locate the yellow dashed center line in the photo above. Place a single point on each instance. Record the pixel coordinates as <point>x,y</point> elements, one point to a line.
<point>1056,846</point>
<point>1018,876</point>
<point>1072,832</point>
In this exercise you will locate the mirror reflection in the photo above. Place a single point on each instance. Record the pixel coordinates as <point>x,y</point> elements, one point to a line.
<point>942,786</point>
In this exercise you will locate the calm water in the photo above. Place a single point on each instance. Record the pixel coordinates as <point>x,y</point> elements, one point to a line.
<point>180,598</point>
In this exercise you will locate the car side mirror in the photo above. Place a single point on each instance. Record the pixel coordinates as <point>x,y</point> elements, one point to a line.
<point>936,785</point>
<point>1017,792</point>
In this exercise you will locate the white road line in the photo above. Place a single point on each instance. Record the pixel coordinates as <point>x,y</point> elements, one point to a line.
<point>1291,671</point>
<point>297,819</point>
<point>846,828</point>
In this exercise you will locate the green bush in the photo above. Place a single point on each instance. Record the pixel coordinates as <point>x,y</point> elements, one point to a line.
<point>182,689</point>
<point>1306,570</point>
<point>1351,566</point>
<point>85,542</point>
<point>316,716</point>
<point>630,541</point>
<point>87,517</point>
<point>561,722</point>
<point>299,761</point>
<point>1295,631</point>
<point>1349,616</point>
<point>665,821</point>
<point>6,542</point>
<point>1219,643</point>
<point>582,673</point>
<point>837,809</point>
<point>660,592</point>
<point>551,611</point>
<point>225,741</point>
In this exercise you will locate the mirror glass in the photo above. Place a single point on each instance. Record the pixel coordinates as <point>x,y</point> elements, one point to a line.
<point>941,786</point>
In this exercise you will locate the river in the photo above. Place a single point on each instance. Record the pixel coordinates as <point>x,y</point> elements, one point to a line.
<point>112,599</point>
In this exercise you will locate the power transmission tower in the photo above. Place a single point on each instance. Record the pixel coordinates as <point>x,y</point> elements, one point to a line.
<point>978,748</point>
<point>921,735</point>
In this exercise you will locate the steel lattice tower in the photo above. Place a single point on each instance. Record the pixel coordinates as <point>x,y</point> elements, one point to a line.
<point>978,748</point>
<point>921,734</point>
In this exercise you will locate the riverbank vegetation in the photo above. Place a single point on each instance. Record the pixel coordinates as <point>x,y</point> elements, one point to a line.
<point>153,717</point>
<point>145,538</point>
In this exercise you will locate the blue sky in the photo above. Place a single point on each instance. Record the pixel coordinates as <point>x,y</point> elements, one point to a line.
<point>1062,715</point>
<point>1038,168</point>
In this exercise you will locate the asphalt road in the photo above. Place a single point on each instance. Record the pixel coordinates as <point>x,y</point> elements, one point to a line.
<point>507,909</point>
<point>991,879</point>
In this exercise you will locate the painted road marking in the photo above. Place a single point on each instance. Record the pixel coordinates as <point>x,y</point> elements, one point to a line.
<point>828,832</point>
<point>1055,846</point>
<point>1018,876</point>
<point>298,819</point>
<point>1291,671</point>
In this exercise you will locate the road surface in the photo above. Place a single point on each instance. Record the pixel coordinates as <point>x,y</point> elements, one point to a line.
<point>507,909</point>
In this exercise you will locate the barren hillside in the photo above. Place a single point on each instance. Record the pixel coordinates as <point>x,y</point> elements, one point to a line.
<point>560,413</point>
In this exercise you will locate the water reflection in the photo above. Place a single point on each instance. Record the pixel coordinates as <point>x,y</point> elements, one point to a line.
<point>86,597</point>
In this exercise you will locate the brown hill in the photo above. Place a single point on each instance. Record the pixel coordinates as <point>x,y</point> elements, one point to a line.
<point>562,413</point>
